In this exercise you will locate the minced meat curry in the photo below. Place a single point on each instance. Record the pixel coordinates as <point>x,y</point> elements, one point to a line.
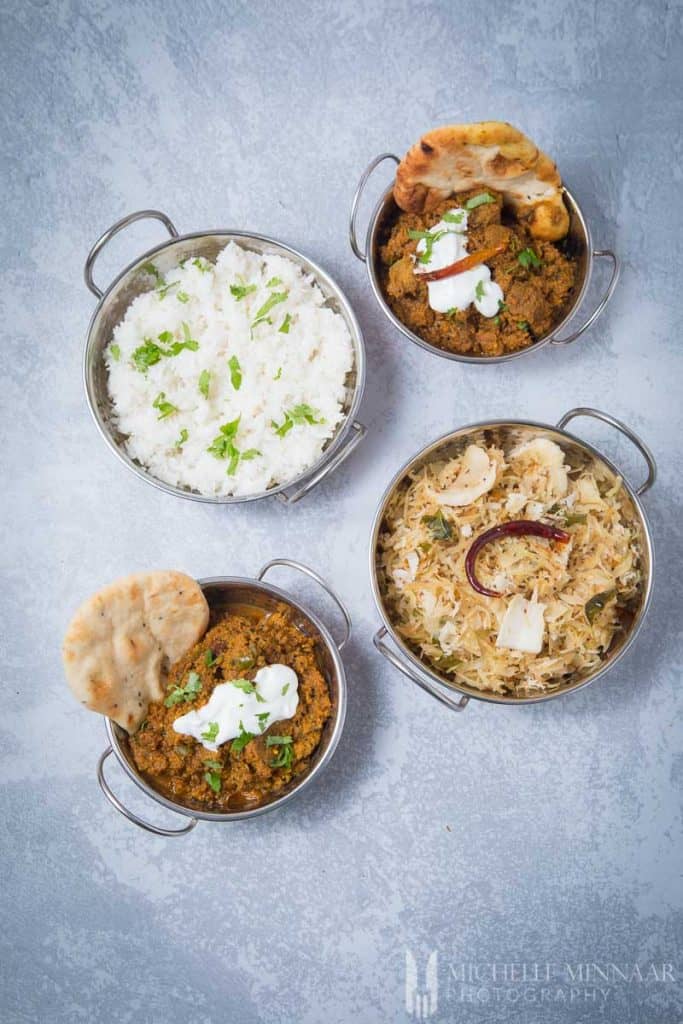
<point>234,648</point>
<point>537,279</point>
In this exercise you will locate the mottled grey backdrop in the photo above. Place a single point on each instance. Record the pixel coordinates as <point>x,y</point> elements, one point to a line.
<point>531,835</point>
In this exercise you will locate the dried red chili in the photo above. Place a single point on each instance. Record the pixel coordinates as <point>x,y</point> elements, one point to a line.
<point>515,528</point>
<point>466,263</point>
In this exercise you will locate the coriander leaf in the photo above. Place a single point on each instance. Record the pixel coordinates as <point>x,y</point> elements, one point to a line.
<point>528,258</point>
<point>163,290</point>
<point>214,780</point>
<point>235,372</point>
<point>115,352</point>
<point>245,685</point>
<point>182,297</point>
<point>221,444</point>
<point>251,453</point>
<point>439,527</point>
<point>213,764</point>
<point>286,755</point>
<point>203,382</point>
<point>479,291</point>
<point>165,408</point>
<point>149,268</point>
<point>522,325</point>
<point>183,694</point>
<point>182,439</point>
<point>274,282</point>
<point>284,427</point>
<point>209,658</point>
<point>482,199</point>
<point>304,414</point>
<point>272,300</point>
<point>240,743</point>
<point>166,337</point>
<point>201,264</point>
<point>597,603</point>
<point>277,741</point>
<point>210,732</point>
<point>240,291</point>
<point>261,320</point>
<point>284,689</point>
<point>278,374</point>
<point>284,326</point>
<point>234,456</point>
<point>262,719</point>
<point>454,218</point>
<point>429,238</point>
<point>146,355</point>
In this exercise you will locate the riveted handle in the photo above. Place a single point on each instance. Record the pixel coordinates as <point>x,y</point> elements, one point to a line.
<point>356,200</point>
<point>122,809</point>
<point>616,267</point>
<point>626,431</point>
<point>422,681</point>
<point>291,564</point>
<point>355,436</point>
<point>114,230</point>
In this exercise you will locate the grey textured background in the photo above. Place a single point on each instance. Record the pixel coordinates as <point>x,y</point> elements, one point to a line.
<point>542,834</point>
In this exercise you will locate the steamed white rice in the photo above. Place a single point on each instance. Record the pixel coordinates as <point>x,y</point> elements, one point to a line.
<point>293,371</point>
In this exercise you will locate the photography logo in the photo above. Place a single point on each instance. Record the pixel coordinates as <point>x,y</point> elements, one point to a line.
<point>422,1000</point>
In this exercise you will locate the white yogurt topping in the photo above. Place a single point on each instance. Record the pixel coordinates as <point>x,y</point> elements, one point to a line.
<point>460,290</point>
<point>274,698</point>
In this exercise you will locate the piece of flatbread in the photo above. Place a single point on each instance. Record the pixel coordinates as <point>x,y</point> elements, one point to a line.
<point>122,640</point>
<point>494,154</point>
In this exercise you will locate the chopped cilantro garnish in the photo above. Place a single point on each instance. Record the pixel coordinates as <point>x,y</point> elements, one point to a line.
<point>298,415</point>
<point>234,456</point>
<point>262,719</point>
<point>163,290</point>
<point>482,199</point>
<point>278,374</point>
<point>209,658</point>
<point>245,685</point>
<point>284,326</point>
<point>240,743</point>
<point>115,352</point>
<point>286,755</point>
<point>182,296</point>
<point>527,258</point>
<point>210,732</point>
<point>165,408</point>
<point>479,291</point>
<point>146,355</point>
<point>251,453</point>
<point>149,268</point>
<point>219,446</point>
<point>240,291</point>
<point>235,372</point>
<point>274,282</point>
<point>214,780</point>
<point>429,238</point>
<point>272,300</point>
<point>203,382</point>
<point>182,439</point>
<point>522,325</point>
<point>182,694</point>
<point>284,689</point>
<point>454,218</point>
<point>201,264</point>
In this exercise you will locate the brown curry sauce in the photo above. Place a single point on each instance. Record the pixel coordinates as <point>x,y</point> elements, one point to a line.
<point>535,298</point>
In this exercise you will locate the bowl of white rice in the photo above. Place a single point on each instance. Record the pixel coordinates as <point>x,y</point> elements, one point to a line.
<point>224,366</point>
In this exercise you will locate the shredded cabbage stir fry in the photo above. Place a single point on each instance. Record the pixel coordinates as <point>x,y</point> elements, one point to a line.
<point>560,605</point>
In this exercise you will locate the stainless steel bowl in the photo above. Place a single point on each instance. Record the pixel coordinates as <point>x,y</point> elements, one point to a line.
<point>224,592</point>
<point>114,302</point>
<point>579,244</point>
<point>506,435</point>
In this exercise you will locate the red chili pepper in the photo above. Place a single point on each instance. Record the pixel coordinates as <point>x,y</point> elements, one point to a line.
<point>516,528</point>
<point>466,263</point>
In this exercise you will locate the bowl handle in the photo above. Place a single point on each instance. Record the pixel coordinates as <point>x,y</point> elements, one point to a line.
<point>422,681</point>
<point>290,563</point>
<point>622,428</point>
<point>356,200</point>
<point>356,435</point>
<point>114,230</point>
<point>616,267</point>
<point>122,809</point>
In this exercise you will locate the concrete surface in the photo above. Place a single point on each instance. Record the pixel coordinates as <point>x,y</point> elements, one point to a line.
<point>534,836</point>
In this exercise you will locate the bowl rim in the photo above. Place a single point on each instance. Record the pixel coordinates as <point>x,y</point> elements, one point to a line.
<point>359,355</point>
<point>479,360</point>
<point>423,666</point>
<point>339,718</point>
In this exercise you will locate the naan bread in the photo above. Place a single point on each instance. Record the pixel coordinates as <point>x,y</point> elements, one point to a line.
<point>459,157</point>
<point>122,640</point>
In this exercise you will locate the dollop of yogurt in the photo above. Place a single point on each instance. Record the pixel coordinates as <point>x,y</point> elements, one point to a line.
<point>235,709</point>
<point>460,290</point>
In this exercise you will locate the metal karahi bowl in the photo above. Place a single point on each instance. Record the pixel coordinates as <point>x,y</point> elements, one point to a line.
<point>579,245</point>
<point>224,593</point>
<point>578,453</point>
<point>112,306</point>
